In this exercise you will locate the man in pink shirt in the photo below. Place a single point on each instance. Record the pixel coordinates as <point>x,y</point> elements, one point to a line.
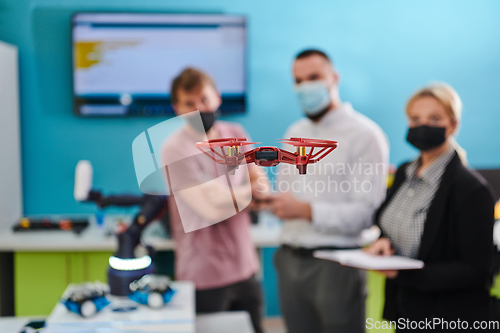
<point>219,257</point>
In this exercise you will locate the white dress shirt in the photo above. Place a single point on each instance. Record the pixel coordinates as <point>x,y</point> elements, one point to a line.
<point>345,188</point>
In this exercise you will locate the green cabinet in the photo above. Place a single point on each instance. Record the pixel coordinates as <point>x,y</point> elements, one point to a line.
<point>495,290</point>
<point>40,278</point>
<point>375,287</point>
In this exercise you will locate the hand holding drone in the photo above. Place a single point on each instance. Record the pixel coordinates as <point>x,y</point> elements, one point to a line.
<point>267,156</point>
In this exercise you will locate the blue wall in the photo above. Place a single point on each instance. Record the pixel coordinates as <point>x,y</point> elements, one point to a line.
<point>384,50</point>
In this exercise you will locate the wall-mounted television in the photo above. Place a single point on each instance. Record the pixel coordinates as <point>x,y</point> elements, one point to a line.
<point>124,63</point>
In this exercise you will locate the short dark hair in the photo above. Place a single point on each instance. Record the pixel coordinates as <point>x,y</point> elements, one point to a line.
<point>189,80</point>
<point>311,52</point>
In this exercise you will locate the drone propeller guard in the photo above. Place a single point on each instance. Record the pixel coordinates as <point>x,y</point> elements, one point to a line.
<point>167,162</point>
<point>267,156</point>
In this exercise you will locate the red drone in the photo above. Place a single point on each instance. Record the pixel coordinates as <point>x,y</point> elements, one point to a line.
<point>267,156</point>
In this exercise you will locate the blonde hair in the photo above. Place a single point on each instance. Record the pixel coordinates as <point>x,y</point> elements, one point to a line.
<point>452,103</point>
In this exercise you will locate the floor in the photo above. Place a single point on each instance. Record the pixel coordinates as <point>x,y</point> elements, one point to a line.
<point>274,325</point>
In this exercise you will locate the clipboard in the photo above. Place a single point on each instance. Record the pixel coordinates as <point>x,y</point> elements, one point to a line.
<point>362,260</point>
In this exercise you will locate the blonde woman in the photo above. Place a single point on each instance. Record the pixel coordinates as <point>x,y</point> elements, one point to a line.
<point>440,212</point>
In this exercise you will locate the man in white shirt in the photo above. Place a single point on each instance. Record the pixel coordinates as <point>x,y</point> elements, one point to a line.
<point>328,207</point>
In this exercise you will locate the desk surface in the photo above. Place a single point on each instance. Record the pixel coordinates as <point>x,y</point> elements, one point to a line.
<point>13,324</point>
<point>177,316</point>
<point>222,322</point>
<point>94,238</point>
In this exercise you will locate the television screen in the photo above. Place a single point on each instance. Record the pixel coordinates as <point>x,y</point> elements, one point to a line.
<point>124,63</point>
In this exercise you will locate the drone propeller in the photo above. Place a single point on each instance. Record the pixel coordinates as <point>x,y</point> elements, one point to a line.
<point>225,142</point>
<point>304,142</point>
<point>227,139</point>
<point>232,158</point>
<point>304,157</point>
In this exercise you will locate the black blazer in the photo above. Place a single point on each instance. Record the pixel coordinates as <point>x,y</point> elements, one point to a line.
<point>456,247</point>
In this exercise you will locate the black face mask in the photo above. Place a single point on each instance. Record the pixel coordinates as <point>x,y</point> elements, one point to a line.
<point>207,119</point>
<point>426,137</point>
<point>317,117</point>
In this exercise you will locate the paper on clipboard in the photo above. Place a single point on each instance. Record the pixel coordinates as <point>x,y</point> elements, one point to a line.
<point>363,260</point>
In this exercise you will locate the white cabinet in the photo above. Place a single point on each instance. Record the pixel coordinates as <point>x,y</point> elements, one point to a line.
<point>10,148</point>
<point>11,207</point>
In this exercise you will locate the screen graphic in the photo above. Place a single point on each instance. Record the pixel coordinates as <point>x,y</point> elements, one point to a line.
<point>123,64</point>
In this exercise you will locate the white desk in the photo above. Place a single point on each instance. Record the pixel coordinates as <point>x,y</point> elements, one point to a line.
<point>12,324</point>
<point>15,324</point>
<point>177,316</point>
<point>222,322</point>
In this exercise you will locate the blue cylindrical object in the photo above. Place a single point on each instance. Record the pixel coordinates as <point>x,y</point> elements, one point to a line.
<point>119,281</point>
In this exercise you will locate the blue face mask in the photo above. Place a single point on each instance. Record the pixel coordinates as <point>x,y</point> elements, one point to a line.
<point>313,96</point>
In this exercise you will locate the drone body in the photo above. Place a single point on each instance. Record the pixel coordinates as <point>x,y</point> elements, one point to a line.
<point>267,156</point>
